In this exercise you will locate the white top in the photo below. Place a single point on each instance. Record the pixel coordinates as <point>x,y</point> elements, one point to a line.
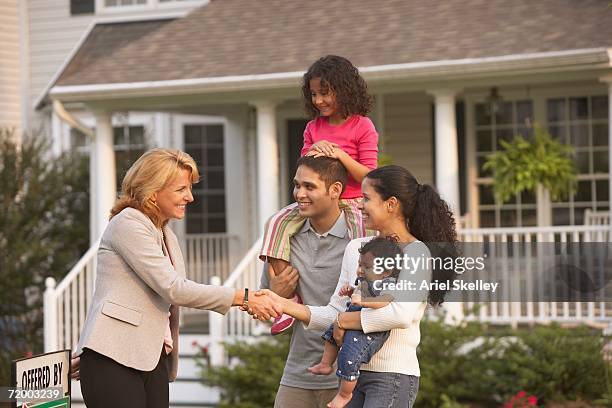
<point>398,354</point>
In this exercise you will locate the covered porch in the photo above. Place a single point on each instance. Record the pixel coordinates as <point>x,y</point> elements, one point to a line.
<point>440,125</point>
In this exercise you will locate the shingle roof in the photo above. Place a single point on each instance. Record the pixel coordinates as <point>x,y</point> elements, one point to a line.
<point>243,37</point>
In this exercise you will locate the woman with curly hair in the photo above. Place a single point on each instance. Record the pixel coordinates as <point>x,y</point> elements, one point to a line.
<point>397,206</point>
<point>335,97</point>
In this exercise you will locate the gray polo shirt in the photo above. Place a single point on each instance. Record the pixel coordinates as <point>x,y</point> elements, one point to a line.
<point>318,259</point>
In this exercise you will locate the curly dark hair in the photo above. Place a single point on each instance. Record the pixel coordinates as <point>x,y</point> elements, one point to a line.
<point>341,77</point>
<point>428,217</point>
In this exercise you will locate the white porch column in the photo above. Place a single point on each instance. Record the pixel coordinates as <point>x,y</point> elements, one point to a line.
<point>268,190</point>
<point>447,169</point>
<point>447,151</point>
<point>57,135</point>
<point>102,174</point>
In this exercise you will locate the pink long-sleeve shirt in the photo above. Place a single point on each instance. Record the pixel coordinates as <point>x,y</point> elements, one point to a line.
<point>356,136</point>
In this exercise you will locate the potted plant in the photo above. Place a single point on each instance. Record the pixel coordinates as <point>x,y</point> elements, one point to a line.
<point>539,164</point>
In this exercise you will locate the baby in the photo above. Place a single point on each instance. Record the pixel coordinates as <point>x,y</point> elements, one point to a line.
<point>358,347</point>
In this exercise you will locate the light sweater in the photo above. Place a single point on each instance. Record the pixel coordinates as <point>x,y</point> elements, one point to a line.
<point>398,354</point>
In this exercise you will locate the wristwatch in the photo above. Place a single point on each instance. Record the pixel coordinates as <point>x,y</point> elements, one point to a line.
<point>245,300</point>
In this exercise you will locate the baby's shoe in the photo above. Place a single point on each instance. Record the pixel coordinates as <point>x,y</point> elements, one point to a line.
<point>283,322</point>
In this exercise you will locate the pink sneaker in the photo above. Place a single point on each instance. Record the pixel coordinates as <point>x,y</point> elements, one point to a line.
<point>283,322</point>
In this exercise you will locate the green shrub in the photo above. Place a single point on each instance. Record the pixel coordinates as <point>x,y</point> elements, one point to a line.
<point>44,230</point>
<point>556,364</point>
<point>455,363</point>
<point>485,365</point>
<point>252,378</point>
<point>471,364</point>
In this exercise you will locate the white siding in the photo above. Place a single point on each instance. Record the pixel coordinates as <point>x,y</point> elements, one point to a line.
<point>408,133</point>
<point>53,33</point>
<point>10,79</point>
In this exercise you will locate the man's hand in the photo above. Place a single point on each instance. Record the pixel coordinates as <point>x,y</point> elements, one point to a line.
<point>346,290</point>
<point>264,305</point>
<point>75,366</point>
<point>356,299</point>
<point>284,283</point>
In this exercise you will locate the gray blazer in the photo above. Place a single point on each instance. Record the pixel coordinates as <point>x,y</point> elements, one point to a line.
<point>136,289</point>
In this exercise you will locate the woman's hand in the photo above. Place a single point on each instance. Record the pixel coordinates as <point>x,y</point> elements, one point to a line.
<point>299,311</point>
<point>264,305</point>
<point>338,334</point>
<point>75,366</point>
<point>356,299</point>
<point>346,290</point>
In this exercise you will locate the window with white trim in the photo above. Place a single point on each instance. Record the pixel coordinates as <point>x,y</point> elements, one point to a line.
<point>207,213</point>
<point>583,123</point>
<point>130,142</point>
<point>493,124</point>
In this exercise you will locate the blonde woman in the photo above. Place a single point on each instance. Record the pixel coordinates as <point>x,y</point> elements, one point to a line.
<point>128,348</point>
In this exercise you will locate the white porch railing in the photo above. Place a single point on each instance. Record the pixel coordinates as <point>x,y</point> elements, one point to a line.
<point>236,324</point>
<point>208,255</point>
<point>521,269</point>
<point>246,275</point>
<point>66,305</point>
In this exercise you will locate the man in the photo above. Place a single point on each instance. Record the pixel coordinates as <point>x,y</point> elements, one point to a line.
<point>316,252</point>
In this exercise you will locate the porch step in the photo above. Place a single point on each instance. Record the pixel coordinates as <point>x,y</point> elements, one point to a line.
<point>187,390</point>
<point>194,321</point>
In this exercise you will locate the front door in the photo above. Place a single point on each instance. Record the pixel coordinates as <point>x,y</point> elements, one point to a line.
<point>295,142</point>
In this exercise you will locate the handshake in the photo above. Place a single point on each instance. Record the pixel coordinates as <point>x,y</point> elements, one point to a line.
<point>263,305</point>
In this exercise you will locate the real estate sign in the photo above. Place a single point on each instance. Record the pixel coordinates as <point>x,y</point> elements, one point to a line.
<point>41,381</point>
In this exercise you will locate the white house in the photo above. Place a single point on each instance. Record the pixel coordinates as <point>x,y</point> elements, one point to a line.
<point>158,72</point>
<point>220,79</point>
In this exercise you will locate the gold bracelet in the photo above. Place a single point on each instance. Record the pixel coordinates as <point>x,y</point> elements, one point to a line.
<point>338,321</point>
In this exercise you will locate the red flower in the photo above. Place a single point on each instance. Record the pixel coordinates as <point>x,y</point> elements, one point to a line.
<point>521,400</point>
<point>204,349</point>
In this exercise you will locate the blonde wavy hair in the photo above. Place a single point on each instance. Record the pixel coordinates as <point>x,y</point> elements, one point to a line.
<point>153,171</point>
